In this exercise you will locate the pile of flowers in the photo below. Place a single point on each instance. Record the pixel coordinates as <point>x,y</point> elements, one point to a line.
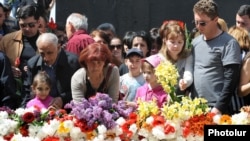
<point>97,119</point>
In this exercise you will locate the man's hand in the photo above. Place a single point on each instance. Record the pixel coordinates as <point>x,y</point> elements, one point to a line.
<point>57,103</point>
<point>216,111</point>
<point>16,72</point>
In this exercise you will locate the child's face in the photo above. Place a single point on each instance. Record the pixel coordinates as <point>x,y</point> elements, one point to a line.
<point>175,45</point>
<point>134,64</point>
<point>149,76</point>
<point>41,90</point>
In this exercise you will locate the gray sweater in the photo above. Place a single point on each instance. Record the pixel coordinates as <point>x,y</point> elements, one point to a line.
<point>79,88</point>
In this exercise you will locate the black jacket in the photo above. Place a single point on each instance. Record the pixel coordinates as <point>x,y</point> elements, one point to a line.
<point>67,64</point>
<point>7,84</point>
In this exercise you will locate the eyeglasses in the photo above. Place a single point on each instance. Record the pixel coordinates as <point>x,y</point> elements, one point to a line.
<point>30,25</point>
<point>200,23</point>
<point>115,46</point>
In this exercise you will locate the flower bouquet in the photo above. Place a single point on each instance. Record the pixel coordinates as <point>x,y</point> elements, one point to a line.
<point>97,116</point>
<point>167,76</point>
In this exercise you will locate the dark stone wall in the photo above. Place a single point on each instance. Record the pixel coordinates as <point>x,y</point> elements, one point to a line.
<point>137,15</point>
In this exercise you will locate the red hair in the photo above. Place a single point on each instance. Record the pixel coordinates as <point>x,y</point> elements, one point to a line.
<point>97,52</point>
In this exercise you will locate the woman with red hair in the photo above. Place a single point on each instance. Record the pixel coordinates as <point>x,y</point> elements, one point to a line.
<point>96,75</point>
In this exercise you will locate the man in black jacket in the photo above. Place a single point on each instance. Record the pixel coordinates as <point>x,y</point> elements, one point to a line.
<point>7,84</point>
<point>58,63</point>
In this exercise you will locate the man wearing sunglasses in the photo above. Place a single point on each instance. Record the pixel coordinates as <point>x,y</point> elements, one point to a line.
<point>216,59</point>
<point>20,45</point>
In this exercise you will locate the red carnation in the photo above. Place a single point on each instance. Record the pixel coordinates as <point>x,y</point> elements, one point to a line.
<point>52,25</point>
<point>24,130</point>
<point>51,139</point>
<point>28,117</point>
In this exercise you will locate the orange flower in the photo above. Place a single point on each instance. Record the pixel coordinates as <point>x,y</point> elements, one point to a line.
<point>225,119</point>
<point>197,123</point>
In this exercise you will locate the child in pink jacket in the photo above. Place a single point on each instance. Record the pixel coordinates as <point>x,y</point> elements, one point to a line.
<point>151,90</point>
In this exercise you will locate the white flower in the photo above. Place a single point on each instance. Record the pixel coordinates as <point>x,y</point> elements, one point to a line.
<point>76,133</point>
<point>19,137</point>
<point>33,130</point>
<point>3,115</point>
<point>216,118</point>
<point>68,124</point>
<point>240,118</point>
<point>20,111</point>
<point>158,132</point>
<point>120,121</point>
<point>7,126</point>
<point>133,128</point>
<point>51,127</point>
<point>101,129</point>
<point>144,132</point>
<point>149,120</point>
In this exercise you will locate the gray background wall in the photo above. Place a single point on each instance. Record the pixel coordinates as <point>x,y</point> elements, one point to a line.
<point>137,15</point>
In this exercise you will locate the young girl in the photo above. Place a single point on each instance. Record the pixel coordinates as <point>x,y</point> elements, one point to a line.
<point>151,90</point>
<point>41,87</point>
<point>173,50</point>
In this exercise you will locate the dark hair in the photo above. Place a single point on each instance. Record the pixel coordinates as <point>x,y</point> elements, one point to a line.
<point>107,26</point>
<point>145,37</point>
<point>128,38</point>
<point>6,7</point>
<point>155,36</point>
<point>27,11</point>
<point>101,34</point>
<point>244,10</point>
<point>95,51</point>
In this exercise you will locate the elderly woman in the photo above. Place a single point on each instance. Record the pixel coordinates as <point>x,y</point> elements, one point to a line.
<point>96,75</point>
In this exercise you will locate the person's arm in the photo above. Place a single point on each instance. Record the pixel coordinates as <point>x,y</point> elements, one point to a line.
<point>78,85</point>
<point>113,84</point>
<point>188,73</point>
<point>187,79</point>
<point>7,84</point>
<point>231,77</point>
<point>244,84</point>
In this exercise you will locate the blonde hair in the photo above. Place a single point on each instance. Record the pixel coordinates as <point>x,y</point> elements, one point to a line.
<point>42,76</point>
<point>146,65</point>
<point>222,24</point>
<point>172,30</point>
<point>241,35</point>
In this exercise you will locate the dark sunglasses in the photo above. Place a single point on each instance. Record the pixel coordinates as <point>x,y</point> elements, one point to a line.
<point>200,23</point>
<point>115,46</point>
<point>30,25</point>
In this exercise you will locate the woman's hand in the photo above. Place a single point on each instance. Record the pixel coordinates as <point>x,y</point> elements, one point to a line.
<point>182,84</point>
<point>133,104</point>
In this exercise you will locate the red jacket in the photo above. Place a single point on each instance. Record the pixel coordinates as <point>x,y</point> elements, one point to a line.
<point>78,41</point>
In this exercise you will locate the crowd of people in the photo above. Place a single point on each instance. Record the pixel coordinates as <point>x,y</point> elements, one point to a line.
<point>49,68</point>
